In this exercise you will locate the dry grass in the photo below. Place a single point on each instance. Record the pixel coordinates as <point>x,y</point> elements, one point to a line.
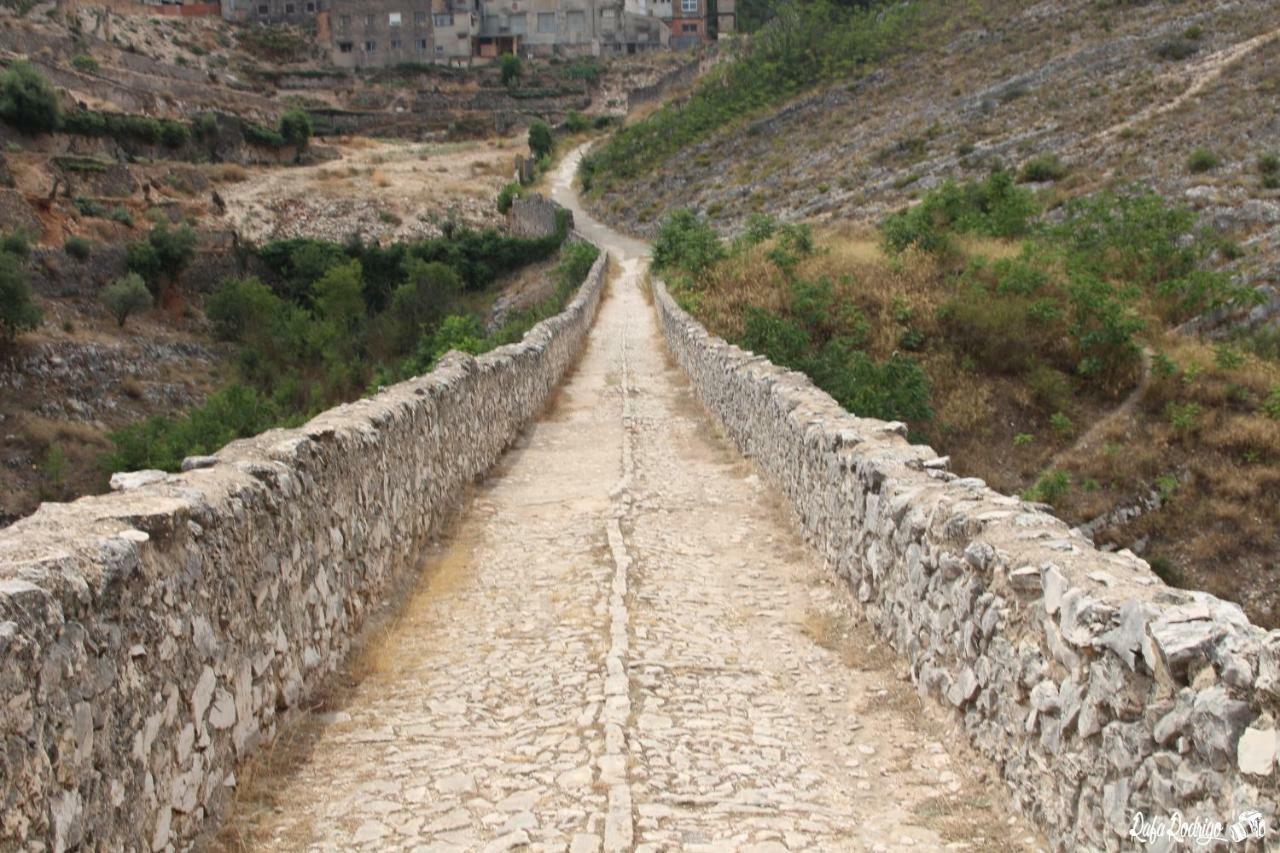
<point>228,173</point>
<point>380,178</point>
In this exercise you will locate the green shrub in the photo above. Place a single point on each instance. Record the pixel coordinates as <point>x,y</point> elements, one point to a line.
<point>238,306</point>
<point>1269,169</point>
<point>509,193</point>
<point>1104,327</point>
<point>1051,488</point>
<point>84,62</point>
<point>126,295</point>
<point>686,243</point>
<point>510,68</point>
<point>78,248</point>
<point>1046,167</point>
<point>15,243</point>
<point>576,122</point>
<point>235,412</point>
<point>174,134</point>
<point>759,228</point>
<point>1176,49</point>
<point>27,101</point>
<point>429,290</point>
<point>994,207</point>
<point>164,254</point>
<point>1202,160</point>
<point>256,134</point>
<point>296,129</point>
<point>18,309</point>
<point>540,140</point>
<point>1062,424</point>
<point>1272,404</point>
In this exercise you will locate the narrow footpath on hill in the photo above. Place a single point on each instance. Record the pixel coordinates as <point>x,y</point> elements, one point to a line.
<point>623,645</point>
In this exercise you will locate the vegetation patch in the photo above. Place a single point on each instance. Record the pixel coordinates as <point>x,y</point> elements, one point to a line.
<point>1040,353</point>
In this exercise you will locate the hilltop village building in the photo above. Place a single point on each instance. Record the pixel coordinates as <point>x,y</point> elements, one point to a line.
<point>375,33</point>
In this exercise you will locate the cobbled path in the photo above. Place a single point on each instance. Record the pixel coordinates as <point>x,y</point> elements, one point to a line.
<point>624,646</point>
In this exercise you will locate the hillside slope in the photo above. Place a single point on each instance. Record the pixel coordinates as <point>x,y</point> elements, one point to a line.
<point>1119,91</point>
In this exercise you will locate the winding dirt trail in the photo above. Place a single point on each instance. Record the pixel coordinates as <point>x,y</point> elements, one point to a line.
<point>625,646</point>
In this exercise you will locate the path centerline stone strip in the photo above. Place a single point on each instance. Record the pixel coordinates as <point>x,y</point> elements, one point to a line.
<point>625,646</point>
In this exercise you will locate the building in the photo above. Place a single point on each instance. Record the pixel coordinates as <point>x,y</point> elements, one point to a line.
<point>378,33</point>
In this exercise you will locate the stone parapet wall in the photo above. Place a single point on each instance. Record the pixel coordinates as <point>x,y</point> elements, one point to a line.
<point>536,216</point>
<point>1097,690</point>
<point>151,638</point>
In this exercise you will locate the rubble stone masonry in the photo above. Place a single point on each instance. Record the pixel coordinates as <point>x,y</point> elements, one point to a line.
<point>151,638</point>
<point>1098,691</point>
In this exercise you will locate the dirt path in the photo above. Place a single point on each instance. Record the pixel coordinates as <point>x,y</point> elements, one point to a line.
<point>626,647</point>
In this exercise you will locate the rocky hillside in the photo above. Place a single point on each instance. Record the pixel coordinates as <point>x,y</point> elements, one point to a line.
<point>1118,91</point>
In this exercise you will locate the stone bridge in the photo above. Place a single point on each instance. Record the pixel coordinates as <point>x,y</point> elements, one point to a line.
<point>690,604</point>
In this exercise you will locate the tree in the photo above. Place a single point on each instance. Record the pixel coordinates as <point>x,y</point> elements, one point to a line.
<point>296,129</point>
<point>511,69</point>
<point>422,300</point>
<point>339,298</point>
<point>165,252</point>
<point>126,295</point>
<point>540,141</point>
<point>18,311</point>
<point>27,100</point>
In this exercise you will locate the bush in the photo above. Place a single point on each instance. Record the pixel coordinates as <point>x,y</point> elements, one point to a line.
<point>1051,488</point>
<point>510,68</point>
<point>126,295</point>
<point>1176,49</point>
<point>18,309</point>
<point>1269,169</point>
<point>174,134</point>
<point>1044,168</point>
<point>235,412</point>
<point>239,305</point>
<point>576,122</point>
<point>27,101</point>
<point>256,134</point>
<point>421,302</point>
<point>686,243</point>
<point>994,207</point>
<point>507,196</point>
<point>296,129</point>
<point>78,248</point>
<point>164,254</point>
<point>15,243</point>
<point>1202,160</point>
<point>540,140</point>
<point>84,62</point>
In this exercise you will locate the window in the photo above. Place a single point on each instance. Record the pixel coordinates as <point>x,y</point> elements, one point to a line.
<point>576,21</point>
<point>439,50</point>
<point>393,19</point>
<point>608,18</point>
<point>689,6</point>
<point>370,46</point>
<point>422,44</point>
<point>518,24</point>
<point>395,44</point>
<point>344,23</point>
<point>688,28</point>
<point>311,7</point>
<point>444,20</point>
<point>345,46</point>
<point>368,20</point>
<point>264,10</point>
<point>546,22</point>
<point>288,8</point>
<point>420,19</point>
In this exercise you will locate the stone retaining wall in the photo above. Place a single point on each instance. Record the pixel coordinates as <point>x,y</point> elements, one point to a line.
<point>1097,690</point>
<point>151,638</point>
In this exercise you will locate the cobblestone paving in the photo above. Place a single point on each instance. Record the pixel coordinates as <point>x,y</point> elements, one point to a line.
<point>624,646</point>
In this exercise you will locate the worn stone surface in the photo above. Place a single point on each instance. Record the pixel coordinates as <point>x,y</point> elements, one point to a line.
<point>151,638</point>
<point>624,647</point>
